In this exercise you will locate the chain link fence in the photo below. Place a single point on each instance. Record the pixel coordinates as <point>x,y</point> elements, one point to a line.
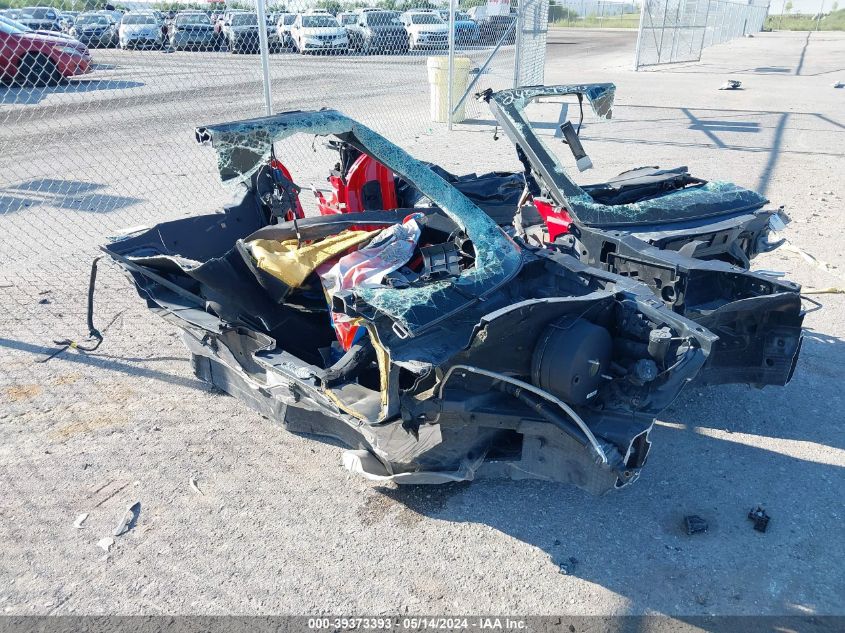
<point>674,31</point>
<point>97,114</point>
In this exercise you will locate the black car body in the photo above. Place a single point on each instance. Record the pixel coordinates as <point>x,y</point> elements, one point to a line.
<point>493,358</point>
<point>378,32</point>
<point>40,18</point>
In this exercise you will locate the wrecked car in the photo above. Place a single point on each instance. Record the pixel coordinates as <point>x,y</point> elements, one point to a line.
<point>690,240</point>
<point>427,340</point>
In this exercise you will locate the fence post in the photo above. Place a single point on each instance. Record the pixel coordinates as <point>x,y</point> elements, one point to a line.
<point>640,35</point>
<point>265,55</point>
<point>451,78</point>
<point>517,49</point>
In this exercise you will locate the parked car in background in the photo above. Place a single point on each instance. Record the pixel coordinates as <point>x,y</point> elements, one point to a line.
<point>28,58</point>
<point>241,32</point>
<point>26,29</point>
<point>347,18</point>
<point>466,30</point>
<point>140,30</point>
<point>193,30</point>
<point>494,27</point>
<point>66,21</point>
<point>425,30</point>
<point>284,22</point>
<point>319,31</point>
<point>378,31</point>
<point>40,18</point>
<point>95,30</point>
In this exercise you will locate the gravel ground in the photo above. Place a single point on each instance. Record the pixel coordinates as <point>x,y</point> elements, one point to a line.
<point>278,526</point>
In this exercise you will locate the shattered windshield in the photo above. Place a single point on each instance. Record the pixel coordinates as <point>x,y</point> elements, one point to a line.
<point>546,151</point>
<point>244,146</point>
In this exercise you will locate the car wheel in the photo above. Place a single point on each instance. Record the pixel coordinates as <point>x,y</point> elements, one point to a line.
<point>38,71</point>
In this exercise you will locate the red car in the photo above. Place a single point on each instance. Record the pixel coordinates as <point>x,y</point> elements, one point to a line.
<point>29,58</point>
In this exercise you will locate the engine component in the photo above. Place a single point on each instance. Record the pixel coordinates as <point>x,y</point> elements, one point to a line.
<point>570,359</point>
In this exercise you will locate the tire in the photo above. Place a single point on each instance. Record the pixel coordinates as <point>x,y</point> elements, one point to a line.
<point>38,71</point>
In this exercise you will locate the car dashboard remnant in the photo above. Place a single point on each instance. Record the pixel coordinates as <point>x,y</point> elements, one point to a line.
<point>434,343</point>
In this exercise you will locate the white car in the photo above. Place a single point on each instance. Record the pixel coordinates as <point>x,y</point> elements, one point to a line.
<point>139,29</point>
<point>318,32</point>
<point>284,23</point>
<point>425,30</point>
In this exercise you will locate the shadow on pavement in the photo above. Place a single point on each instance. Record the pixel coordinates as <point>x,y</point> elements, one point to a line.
<point>73,195</point>
<point>10,95</point>
<point>718,453</point>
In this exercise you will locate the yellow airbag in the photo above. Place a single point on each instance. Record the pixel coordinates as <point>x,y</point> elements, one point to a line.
<point>292,265</point>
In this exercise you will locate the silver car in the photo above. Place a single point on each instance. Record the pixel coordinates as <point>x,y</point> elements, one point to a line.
<point>140,30</point>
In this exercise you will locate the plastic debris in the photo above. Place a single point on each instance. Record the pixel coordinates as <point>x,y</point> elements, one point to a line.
<point>830,290</point>
<point>694,524</point>
<point>105,543</point>
<point>731,84</point>
<point>760,518</point>
<point>195,487</point>
<point>838,84</point>
<point>565,566</point>
<point>80,520</point>
<point>129,519</point>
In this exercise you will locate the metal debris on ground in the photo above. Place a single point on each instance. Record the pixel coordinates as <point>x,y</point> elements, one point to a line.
<point>731,84</point>
<point>760,518</point>
<point>105,543</point>
<point>129,519</point>
<point>80,520</point>
<point>694,524</point>
<point>195,487</point>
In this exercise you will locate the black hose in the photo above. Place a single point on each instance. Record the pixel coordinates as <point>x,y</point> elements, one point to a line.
<point>95,338</point>
<point>545,411</point>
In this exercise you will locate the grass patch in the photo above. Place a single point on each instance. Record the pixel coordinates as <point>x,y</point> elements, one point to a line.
<point>619,21</point>
<point>834,21</point>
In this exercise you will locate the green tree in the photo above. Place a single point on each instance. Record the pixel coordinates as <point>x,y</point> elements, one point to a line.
<point>332,6</point>
<point>788,6</point>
